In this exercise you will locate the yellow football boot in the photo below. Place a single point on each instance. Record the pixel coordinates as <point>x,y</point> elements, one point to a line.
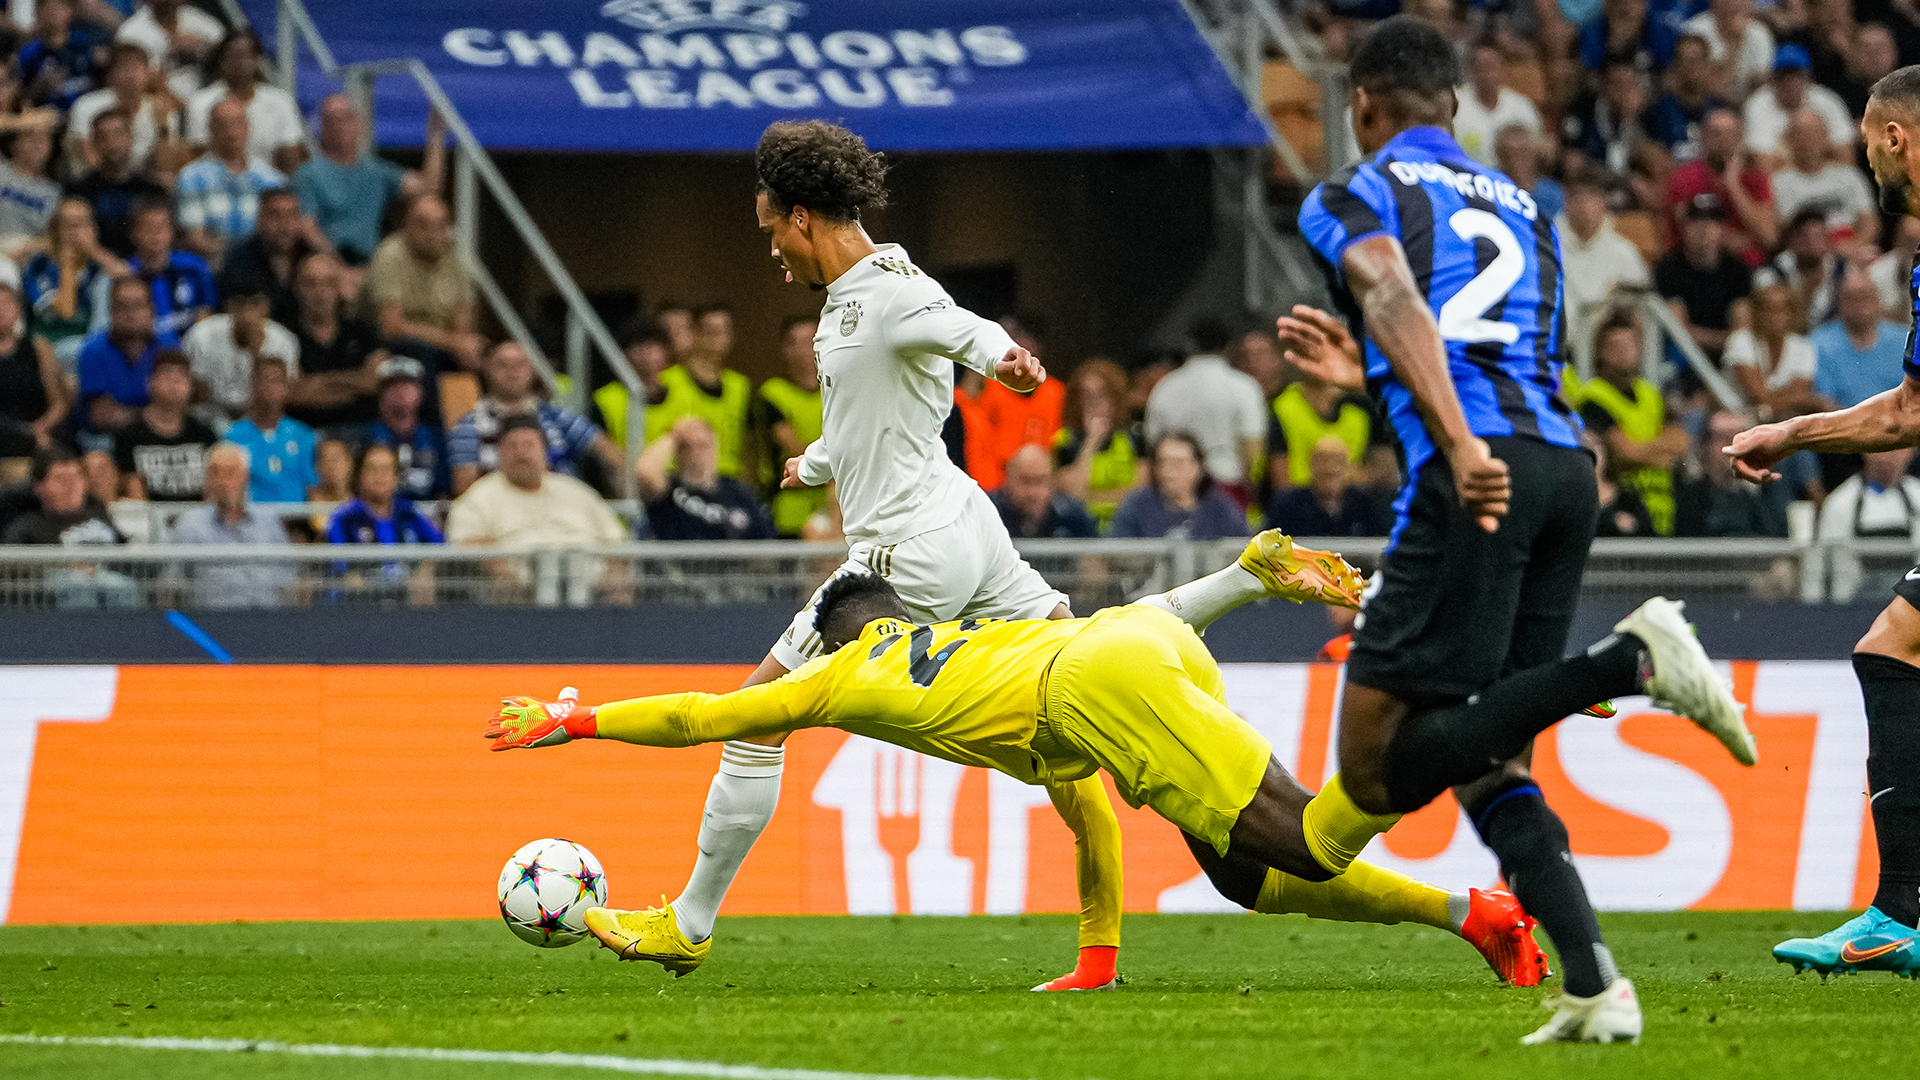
<point>1300,573</point>
<point>651,934</point>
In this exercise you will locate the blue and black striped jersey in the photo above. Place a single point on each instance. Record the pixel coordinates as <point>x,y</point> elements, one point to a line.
<point>1489,263</point>
<point>1912,364</point>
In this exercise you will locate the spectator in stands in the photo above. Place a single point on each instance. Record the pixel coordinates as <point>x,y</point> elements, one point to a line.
<point>1808,266</point>
<point>685,496</point>
<point>1773,364</point>
<point>274,131</point>
<point>225,348</point>
<point>62,283</point>
<point>181,281</point>
<point>1609,128</point>
<point>1097,456</point>
<point>34,400</point>
<point>220,191</point>
<point>790,415</point>
<point>472,445</point>
<point>340,356</point>
<point>1740,188</point>
<point>1488,104</point>
<point>345,191</point>
<point>1740,45</point>
<point>1595,260</point>
<point>676,321</point>
<point>1706,286</point>
<point>421,296</point>
<point>1627,416</point>
<point>149,118</point>
<point>1033,416</point>
<point>1621,511</point>
<point>1860,354</point>
<point>162,453</point>
<point>1623,31</point>
<point>268,257</point>
<point>1872,57</point>
<point>522,504</point>
<point>66,514</point>
<point>1030,506</point>
<point>1791,89</point>
<point>1328,504</point>
<point>174,34</point>
<point>279,448</point>
<point>1892,272</point>
<point>58,63</point>
<point>1693,90</point>
<point>1310,410</point>
<point>378,514</point>
<point>1222,407</point>
<point>1517,150</point>
<point>1179,499</point>
<point>1828,38</point>
<point>701,385</point>
<point>415,439</point>
<point>1881,500</point>
<point>644,345</point>
<point>1812,180</point>
<point>1257,352</point>
<point>115,363</point>
<point>27,197</point>
<point>113,187</point>
<point>230,518</point>
<point>333,463</point>
<point>1711,501</point>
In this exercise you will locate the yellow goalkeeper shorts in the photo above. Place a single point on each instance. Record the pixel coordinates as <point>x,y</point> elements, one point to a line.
<point>1140,695</point>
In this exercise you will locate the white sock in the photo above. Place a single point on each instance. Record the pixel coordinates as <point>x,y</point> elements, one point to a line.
<point>739,805</point>
<point>1200,602</point>
<point>1459,906</point>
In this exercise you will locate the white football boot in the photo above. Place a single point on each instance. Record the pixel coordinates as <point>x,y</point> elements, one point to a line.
<point>1683,679</point>
<point>1612,1015</point>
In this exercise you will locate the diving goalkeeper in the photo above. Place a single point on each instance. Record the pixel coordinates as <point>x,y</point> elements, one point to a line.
<point>1052,702</point>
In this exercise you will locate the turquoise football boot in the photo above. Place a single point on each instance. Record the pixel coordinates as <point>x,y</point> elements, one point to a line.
<point>1867,942</point>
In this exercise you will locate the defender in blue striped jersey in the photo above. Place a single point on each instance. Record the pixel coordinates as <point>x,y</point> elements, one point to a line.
<point>1450,275</point>
<point>1885,937</point>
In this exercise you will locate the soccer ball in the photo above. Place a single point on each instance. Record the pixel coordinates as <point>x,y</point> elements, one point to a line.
<point>546,889</point>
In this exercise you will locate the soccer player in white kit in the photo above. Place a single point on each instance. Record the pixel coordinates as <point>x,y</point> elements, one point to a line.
<point>888,338</point>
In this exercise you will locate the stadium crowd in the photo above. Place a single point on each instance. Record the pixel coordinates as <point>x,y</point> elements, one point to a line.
<point>185,284</point>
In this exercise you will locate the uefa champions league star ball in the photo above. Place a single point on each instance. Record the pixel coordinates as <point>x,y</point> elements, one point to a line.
<point>546,889</point>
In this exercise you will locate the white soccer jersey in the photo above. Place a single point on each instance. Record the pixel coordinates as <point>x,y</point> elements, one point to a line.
<point>887,335</point>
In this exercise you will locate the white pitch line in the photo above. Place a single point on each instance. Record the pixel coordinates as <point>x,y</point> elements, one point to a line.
<point>556,1060</point>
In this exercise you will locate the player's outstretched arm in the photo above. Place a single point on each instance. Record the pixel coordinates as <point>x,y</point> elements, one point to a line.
<point>1885,421</point>
<point>1321,346</point>
<point>667,720</point>
<point>944,329</point>
<point>1402,327</point>
<point>1084,806</point>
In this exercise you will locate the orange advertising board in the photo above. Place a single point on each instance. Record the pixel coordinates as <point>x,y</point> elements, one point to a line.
<point>207,793</point>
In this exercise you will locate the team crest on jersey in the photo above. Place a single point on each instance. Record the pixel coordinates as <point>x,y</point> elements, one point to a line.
<point>850,319</point>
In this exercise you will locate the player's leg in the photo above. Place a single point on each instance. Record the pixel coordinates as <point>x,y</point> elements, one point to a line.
<point>1887,663</point>
<point>1270,566</point>
<point>1006,585</point>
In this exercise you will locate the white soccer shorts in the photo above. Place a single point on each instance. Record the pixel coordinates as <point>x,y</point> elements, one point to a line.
<point>964,569</point>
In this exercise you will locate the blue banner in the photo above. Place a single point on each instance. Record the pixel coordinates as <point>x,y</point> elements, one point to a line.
<point>711,74</point>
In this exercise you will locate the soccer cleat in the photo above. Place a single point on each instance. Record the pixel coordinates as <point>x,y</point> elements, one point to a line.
<point>652,934</point>
<point>1869,941</point>
<point>1604,710</point>
<point>1503,932</point>
<point>1612,1015</point>
<point>1683,679</point>
<point>1299,573</point>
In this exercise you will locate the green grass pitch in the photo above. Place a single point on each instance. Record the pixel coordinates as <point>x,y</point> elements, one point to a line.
<point>1205,996</point>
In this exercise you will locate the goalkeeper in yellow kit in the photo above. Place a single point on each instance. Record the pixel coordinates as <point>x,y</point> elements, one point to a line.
<point>1130,690</point>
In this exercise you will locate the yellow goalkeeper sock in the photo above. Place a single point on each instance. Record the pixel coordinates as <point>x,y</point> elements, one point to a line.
<point>1365,893</point>
<point>1337,829</point>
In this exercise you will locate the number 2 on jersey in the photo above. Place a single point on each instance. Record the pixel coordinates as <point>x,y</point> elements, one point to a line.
<point>1462,317</point>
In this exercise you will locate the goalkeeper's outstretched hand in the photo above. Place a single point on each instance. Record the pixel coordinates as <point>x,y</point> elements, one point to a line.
<point>523,722</point>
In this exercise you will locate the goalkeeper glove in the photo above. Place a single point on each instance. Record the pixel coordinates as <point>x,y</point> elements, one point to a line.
<point>524,723</point>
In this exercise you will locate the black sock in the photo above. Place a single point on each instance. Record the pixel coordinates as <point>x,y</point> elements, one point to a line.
<point>1532,845</point>
<point>1892,692</point>
<point>1437,749</point>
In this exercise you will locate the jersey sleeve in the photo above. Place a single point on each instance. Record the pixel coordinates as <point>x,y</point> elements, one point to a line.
<point>1084,806</point>
<point>784,704</point>
<point>816,468</point>
<point>1345,209</point>
<point>1911,362</point>
<point>930,323</point>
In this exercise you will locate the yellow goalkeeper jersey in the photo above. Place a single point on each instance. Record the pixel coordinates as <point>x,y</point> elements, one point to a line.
<point>971,691</point>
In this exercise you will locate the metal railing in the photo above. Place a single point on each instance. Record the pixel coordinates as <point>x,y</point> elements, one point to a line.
<point>472,169</point>
<point>1093,573</point>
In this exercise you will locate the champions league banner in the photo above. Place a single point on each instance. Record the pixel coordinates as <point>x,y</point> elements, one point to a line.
<point>709,75</point>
